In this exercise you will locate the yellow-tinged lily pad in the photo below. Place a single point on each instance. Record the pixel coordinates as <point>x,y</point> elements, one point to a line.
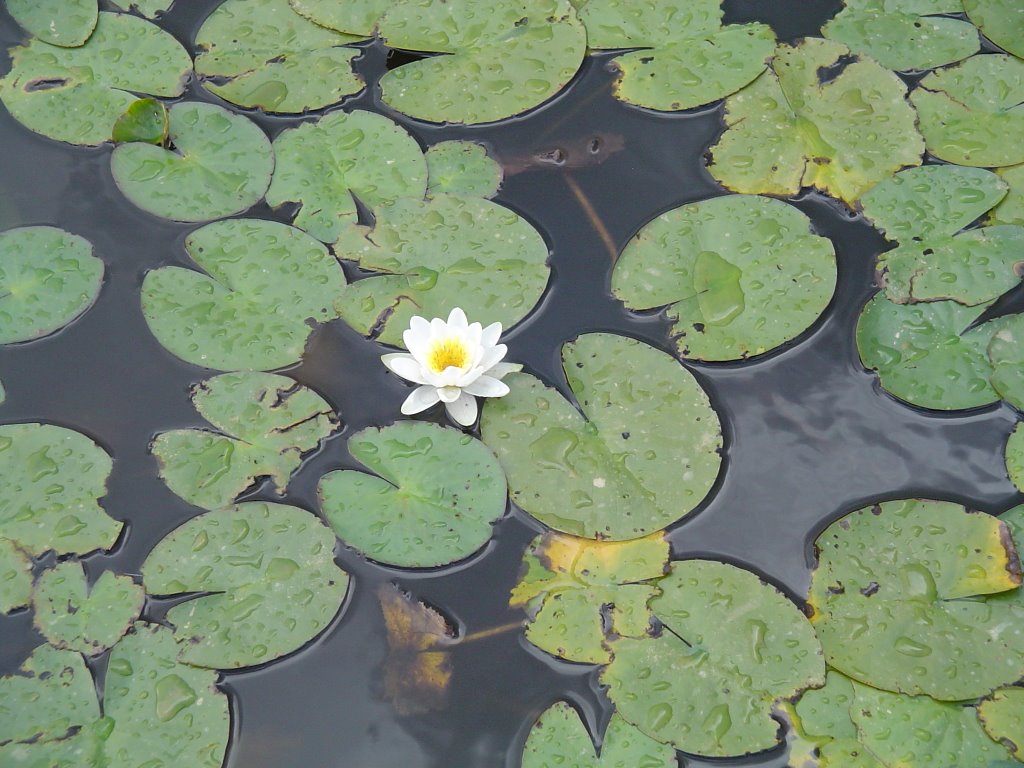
<point>1002,716</point>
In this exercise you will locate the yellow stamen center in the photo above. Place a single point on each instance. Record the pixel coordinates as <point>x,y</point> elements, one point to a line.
<point>447,353</point>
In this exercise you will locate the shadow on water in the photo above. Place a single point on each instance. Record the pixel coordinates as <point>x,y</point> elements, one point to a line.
<point>809,434</point>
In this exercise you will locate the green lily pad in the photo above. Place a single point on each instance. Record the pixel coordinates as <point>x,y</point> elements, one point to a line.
<point>741,275</point>
<point>1011,209</point>
<point>1015,457</point>
<point>789,129</point>
<point>432,499</point>
<point>688,57</point>
<point>324,165</point>
<point>354,17</point>
<point>263,54</point>
<point>1002,717</point>
<point>221,164</point>
<point>77,94</point>
<point>270,569</point>
<point>52,479</point>
<point>578,592</point>
<point>440,253</point>
<point>48,277</point>
<point>732,647</point>
<point>1002,22</point>
<point>462,168</point>
<point>146,120</point>
<point>559,738</point>
<point>610,470</point>
<point>1006,353</point>
<point>266,423</point>
<point>505,57</point>
<point>904,38</point>
<point>900,599</point>
<point>15,577</point>
<point>264,281</point>
<point>71,615</point>
<point>968,111</point>
<point>67,23</point>
<point>148,8</point>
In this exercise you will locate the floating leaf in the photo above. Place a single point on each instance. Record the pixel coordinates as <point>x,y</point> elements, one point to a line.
<point>793,127</point>
<point>576,592</point>
<point>52,479</point>
<point>1002,716</point>
<point>77,94</point>
<point>966,112</point>
<point>221,164</point>
<point>355,17</point>
<point>1011,209</point>
<point>1002,22</point>
<point>687,59</point>
<point>418,669</point>
<point>325,165</point>
<point>15,577</point>
<point>731,648</point>
<point>270,569</point>
<point>1015,457</point>
<point>71,615</point>
<point>267,422</point>
<point>148,8</point>
<point>264,281</point>
<point>439,253</point>
<point>48,277</point>
<point>145,120</point>
<point>67,23</point>
<point>908,580</point>
<point>741,275</point>
<point>904,38</point>
<point>432,499</point>
<point>1006,353</point>
<point>559,738</point>
<point>610,470</point>
<point>462,168</point>
<point>505,57</point>
<point>263,54</point>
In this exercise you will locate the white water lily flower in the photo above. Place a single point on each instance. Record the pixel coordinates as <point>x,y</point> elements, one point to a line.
<point>454,362</point>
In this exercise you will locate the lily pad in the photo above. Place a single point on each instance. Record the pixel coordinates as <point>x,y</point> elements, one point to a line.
<point>15,577</point>
<point>792,127</point>
<point>263,54</point>
<point>505,57</point>
<point>267,577</point>
<point>326,165</point>
<point>1006,353</point>
<point>48,277</point>
<point>559,738</point>
<point>439,253</point>
<point>1015,457</point>
<point>431,500</point>
<point>355,17</point>
<point>71,614</point>
<point>1002,22</point>
<point>1002,716</point>
<point>1011,209</point>
<point>610,470</point>
<point>145,120</point>
<point>908,582</point>
<point>687,59</point>
<point>462,168</point>
<point>264,281</point>
<point>67,23</point>
<point>221,164</point>
<point>52,479</point>
<point>76,94</point>
<point>904,38</point>
<point>266,423</point>
<point>578,592</point>
<point>740,275</point>
<point>732,646</point>
<point>148,8</point>
<point>966,112</point>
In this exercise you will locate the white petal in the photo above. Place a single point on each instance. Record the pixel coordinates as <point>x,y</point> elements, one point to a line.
<point>501,370</point>
<point>457,318</point>
<point>438,328</point>
<point>406,366</point>
<point>417,337</point>
<point>491,335</point>
<point>466,378</point>
<point>420,399</point>
<point>493,356</point>
<point>463,410</point>
<point>449,394</point>
<point>486,386</point>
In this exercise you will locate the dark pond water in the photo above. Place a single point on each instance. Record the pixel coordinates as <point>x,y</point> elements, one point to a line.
<point>809,434</point>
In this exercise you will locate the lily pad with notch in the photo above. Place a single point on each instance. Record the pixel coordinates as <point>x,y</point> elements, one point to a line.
<point>65,23</point>
<point>431,499</point>
<point>265,577</point>
<point>220,164</point>
<point>609,469</point>
<point>1002,717</point>
<point>263,283</point>
<point>77,94</point>
<point>266,424</point>
<point>462,168</point>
